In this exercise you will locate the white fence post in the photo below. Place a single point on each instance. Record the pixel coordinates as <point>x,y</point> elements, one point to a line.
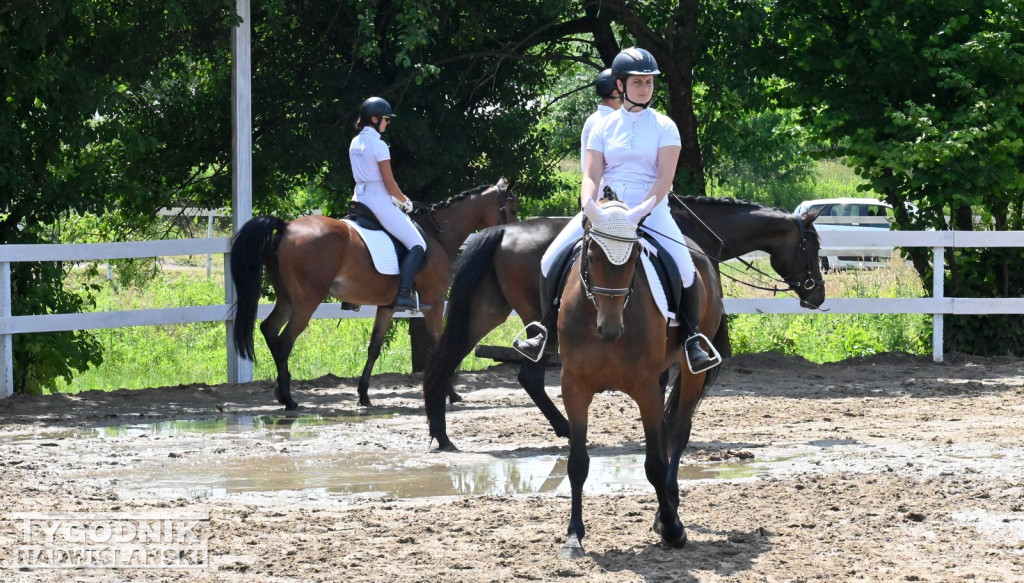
<point>6,339</point>
<point>239,369</point>
<point>938,291</point>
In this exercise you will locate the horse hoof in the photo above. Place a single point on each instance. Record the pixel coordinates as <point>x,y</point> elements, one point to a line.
<point>677,543</point>
<point>454,397</point>
<point>446,445</point>
<point>572,549</point>
<point>291,406</point>
<point>364,401</point>
<point>674,537</point>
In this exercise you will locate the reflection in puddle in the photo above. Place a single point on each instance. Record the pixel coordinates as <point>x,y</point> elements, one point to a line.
<point>387,474</point>
<point>290,426</point>
<point>232,424</point>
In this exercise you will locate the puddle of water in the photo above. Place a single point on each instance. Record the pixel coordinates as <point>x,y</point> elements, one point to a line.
<point>290,426</point>
<point>386,474</point>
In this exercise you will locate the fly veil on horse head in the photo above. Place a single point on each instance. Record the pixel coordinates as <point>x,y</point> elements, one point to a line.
<point>613,335</point>
<point>314,257</point>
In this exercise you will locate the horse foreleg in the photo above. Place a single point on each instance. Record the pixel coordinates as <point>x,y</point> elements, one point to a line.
<point>531,377</point>
<point>666,520</point>
<point>381,323</point>
<point>577,404</point>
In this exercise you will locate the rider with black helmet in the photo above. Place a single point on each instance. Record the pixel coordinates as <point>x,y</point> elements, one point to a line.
<point>604,86</point>
<point>377,189</point>
<point>634,152</point>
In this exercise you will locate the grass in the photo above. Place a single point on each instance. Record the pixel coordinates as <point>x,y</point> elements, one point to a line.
<point>823,337</point>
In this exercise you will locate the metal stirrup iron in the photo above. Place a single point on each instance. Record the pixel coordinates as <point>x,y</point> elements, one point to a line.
<point>524,335</point>
<point>716,358</point>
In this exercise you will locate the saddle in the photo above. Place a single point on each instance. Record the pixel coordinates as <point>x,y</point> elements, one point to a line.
<point>363,217</point>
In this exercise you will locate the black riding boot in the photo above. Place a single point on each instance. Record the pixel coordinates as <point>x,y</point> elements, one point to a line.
<point>533,347</point>
<point>689,308</point>
<point>405,300</point>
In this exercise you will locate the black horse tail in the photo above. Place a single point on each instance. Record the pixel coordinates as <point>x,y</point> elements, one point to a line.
<point>474,264</point>
<point>249,249</point>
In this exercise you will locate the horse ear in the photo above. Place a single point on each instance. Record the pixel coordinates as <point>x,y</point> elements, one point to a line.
<point>641,210</point>
<point>812,214</point>
<point>593,212</point>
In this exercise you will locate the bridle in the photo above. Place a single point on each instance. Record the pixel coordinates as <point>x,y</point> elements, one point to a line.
<point>503,198</point>
<point>802,253</point>
<point>589,288</point>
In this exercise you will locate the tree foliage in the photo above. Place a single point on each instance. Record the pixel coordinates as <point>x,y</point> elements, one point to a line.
<point>924,98</point>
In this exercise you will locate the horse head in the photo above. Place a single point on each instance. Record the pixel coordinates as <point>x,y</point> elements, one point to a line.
<point>608,262</point>
<point>801,269</point>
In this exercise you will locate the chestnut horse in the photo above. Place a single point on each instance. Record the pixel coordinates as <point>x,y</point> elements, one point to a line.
<point>499,271</point>
<point>612,336</point>
<point>313,257</point>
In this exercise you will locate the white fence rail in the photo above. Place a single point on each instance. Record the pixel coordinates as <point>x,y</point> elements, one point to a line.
<point>938,305</point>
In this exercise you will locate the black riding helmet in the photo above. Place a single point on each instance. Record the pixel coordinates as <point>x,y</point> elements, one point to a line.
<point>374,107</point>
<point>633,61</point>
<point>604,85</point>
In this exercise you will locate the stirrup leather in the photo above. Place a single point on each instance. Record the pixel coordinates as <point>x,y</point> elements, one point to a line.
<point>524,334</point>
<point>716,358</point>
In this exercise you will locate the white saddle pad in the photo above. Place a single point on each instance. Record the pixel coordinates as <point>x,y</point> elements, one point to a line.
<point>382,249</point>
<point>657,290</point>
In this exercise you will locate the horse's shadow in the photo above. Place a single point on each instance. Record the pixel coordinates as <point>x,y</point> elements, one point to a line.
<point>727,554</point>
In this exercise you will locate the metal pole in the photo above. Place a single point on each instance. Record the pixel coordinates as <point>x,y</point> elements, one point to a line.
<point>239,369</point>
<point>938,291</point>
<point>6,340</point>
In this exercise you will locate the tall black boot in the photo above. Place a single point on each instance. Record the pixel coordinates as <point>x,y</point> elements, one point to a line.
<point>405,300</point>
<point>533,346</point>
<point>689,310</point>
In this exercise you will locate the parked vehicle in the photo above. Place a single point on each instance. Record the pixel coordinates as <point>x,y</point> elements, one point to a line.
<point>850,214</point>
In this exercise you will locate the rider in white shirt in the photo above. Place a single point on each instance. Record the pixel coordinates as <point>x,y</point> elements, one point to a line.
<point>611,101</point>
<point>634,152</point>
<point>377,189</point>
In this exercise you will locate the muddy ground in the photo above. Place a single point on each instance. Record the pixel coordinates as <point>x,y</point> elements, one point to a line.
<point>889,468</point>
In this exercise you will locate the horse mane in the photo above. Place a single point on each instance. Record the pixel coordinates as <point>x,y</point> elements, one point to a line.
<point>725,200</point>
<point>451,200</point>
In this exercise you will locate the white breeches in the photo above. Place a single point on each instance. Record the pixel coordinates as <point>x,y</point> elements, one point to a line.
<point>394,221</point>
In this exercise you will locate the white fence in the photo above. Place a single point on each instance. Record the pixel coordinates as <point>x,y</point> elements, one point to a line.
<point>938,305</point>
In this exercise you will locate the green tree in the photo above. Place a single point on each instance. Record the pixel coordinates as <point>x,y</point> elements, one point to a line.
<point>924,98</point>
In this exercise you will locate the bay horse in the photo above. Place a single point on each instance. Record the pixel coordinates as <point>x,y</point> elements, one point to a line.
<point>612,336</point>
<point>314,256</point>
<point>499,271</point>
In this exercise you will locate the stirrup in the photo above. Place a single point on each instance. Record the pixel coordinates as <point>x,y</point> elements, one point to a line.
<point>524,335</point>
<point>416,307</point>
<point>716,358</point>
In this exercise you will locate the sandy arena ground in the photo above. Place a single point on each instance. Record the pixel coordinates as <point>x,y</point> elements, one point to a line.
<point>889,468</point>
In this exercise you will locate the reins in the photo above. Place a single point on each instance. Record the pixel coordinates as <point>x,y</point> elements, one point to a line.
<point>809,283</point>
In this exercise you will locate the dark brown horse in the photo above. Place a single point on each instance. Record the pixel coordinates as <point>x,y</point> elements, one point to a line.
<point>313,257</point>
<point>499,271</point>
<point>612,336</point>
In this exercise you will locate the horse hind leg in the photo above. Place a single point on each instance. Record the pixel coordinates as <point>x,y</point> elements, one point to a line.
<point>657,467</point>
<point>381,323</point>
<point>281,341</point>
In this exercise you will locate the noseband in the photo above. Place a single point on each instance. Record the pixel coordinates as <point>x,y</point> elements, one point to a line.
<point>802,252</point>
<point>594,290</point>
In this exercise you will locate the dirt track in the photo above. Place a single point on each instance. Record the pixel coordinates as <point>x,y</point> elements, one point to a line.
<point>888,468</point>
